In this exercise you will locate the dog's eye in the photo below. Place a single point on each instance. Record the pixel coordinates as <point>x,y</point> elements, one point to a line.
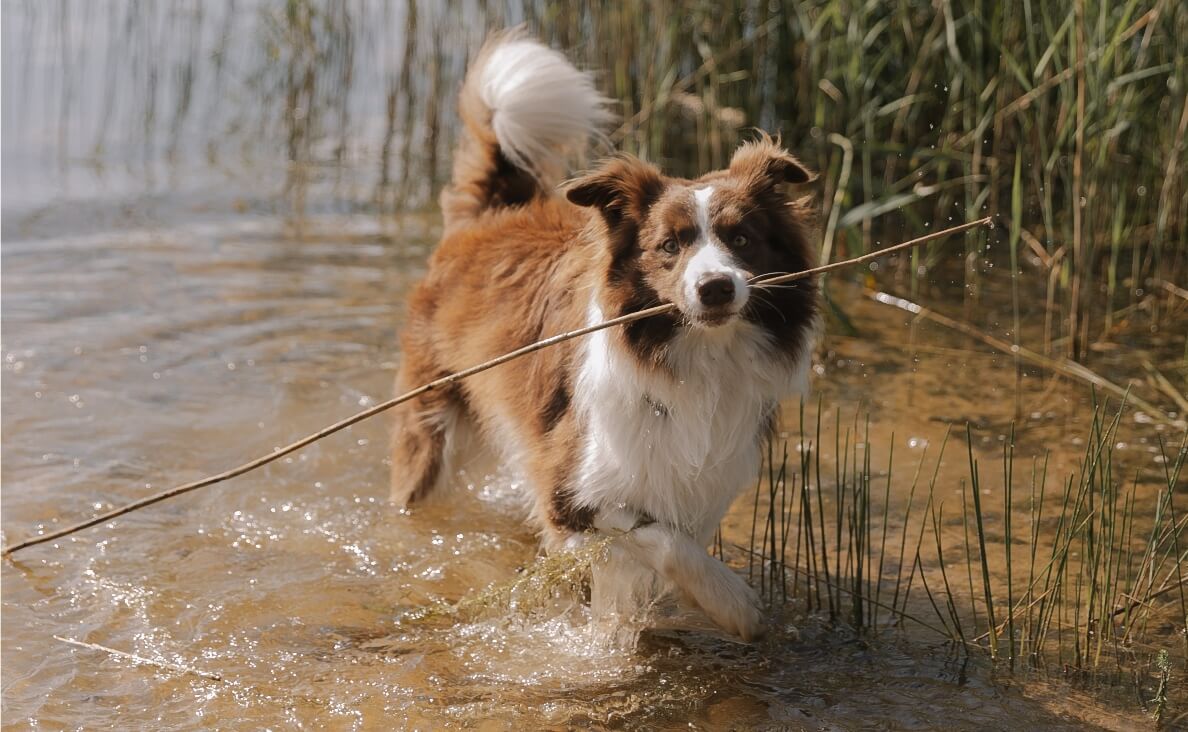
<point>739,242</point>
<point>670,246</point>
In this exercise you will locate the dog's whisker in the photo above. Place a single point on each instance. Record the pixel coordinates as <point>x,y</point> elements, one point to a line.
<point>757,300</point>
<point>780,289</point>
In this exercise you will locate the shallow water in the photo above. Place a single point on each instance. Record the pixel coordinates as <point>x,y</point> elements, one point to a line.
<point>147,355</point>
<point>165,319</point>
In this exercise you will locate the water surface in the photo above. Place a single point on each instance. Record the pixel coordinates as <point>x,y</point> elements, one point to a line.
<point>180,312</point>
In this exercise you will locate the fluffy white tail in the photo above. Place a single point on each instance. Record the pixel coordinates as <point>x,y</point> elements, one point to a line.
<point>542,108</point>
<point>527,110</point>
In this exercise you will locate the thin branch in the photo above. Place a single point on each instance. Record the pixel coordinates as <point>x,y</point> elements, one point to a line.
<point>278,453</point>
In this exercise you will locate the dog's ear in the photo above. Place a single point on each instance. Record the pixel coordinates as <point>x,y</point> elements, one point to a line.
<point>621,187</point>
<point>763,164</point>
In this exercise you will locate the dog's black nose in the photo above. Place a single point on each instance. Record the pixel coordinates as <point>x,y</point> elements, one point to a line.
<point>715,290</point>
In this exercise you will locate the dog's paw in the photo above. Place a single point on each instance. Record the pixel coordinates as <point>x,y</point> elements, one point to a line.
<point>724,596</point>
<point>732,604</point>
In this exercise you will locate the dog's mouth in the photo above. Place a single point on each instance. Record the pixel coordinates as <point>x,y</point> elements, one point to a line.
<point>713,317</point>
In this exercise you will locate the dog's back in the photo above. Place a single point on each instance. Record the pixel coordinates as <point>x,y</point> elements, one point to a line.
<point>503,275</point>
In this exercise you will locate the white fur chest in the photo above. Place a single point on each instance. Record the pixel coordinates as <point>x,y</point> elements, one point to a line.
<point>679,449</point>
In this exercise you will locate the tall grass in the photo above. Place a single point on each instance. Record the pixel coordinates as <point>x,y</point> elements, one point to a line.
<point>1096,587</point>
<point>1069,117</point>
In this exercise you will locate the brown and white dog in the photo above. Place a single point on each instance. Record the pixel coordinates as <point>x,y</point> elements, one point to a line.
<point>649,430</point>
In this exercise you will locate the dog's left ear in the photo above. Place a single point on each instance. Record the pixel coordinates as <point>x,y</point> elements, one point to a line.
<point>764,165</point>
<point>621,188</point>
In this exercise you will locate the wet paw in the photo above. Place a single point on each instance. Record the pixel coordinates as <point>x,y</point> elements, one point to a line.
<point>733,605</point>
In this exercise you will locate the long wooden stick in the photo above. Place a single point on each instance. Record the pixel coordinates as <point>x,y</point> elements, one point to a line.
<point>761,281</point>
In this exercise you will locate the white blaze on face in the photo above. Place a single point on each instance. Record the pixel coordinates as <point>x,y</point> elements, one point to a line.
<point>710,258</point>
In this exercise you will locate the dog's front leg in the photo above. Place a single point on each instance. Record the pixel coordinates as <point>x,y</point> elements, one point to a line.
<point>728,600</point>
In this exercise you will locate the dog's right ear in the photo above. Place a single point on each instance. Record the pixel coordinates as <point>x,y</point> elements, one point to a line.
<point>622,187</point>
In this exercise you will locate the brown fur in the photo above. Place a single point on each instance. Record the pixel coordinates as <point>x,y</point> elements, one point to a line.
<point>523,275</point>
<point>511,276</point>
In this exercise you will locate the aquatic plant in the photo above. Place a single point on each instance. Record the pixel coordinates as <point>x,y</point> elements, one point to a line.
<point>1103,594</point>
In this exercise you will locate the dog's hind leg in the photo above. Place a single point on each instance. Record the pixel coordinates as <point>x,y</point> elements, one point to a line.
<point>421,443</point>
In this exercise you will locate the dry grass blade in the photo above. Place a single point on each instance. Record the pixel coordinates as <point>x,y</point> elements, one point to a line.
<point>1164,384</point>
<point>683,84</point>
<point>141,659</point>
<point>1025,100</point>
<point>1064,367</point>
<point>1176,290</point>
<point>762,280</point>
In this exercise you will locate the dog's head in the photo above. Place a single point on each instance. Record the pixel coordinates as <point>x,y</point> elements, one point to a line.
<point>697,243</point>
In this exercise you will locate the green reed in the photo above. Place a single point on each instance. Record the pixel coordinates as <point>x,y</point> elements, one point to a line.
<point>1095,587</point>
<point>1070,115</point>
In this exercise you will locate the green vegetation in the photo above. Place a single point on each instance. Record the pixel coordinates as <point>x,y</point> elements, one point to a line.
<point>1066,118</point>
<point>1096,587</point>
